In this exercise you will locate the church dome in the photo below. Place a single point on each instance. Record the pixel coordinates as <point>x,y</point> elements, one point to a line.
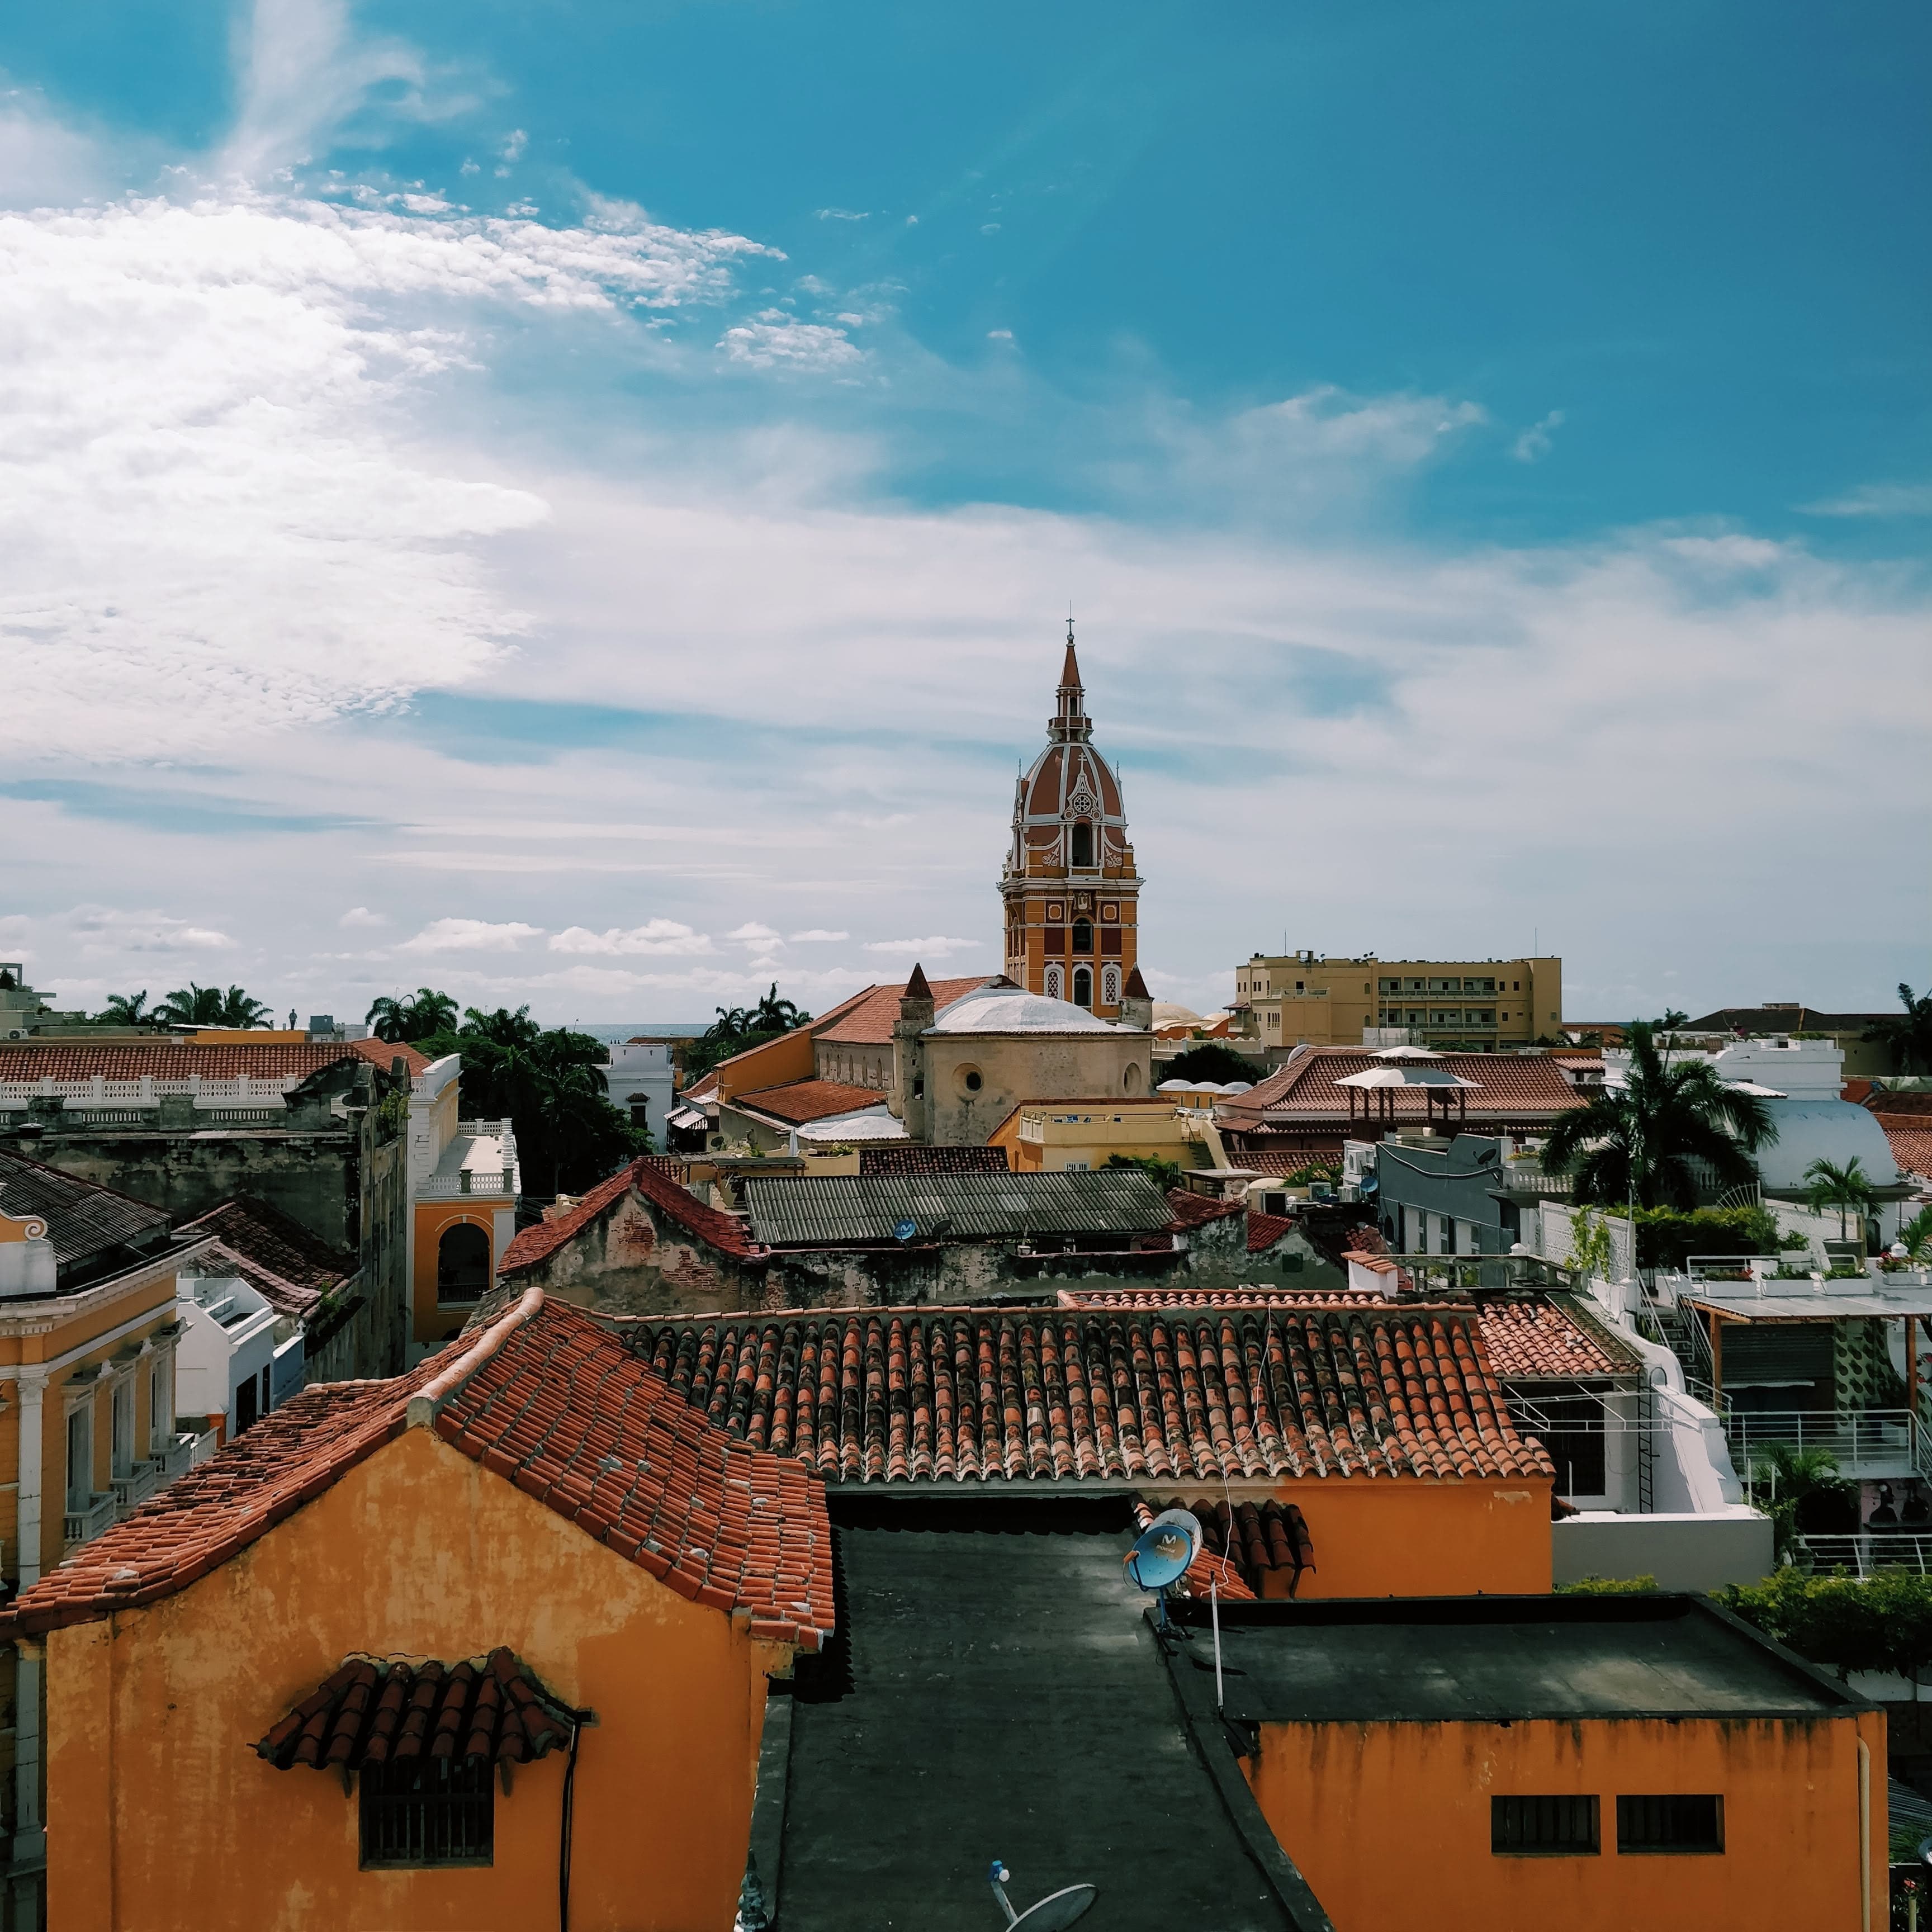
<point>1009,1009</point>
<point>1068,810</point>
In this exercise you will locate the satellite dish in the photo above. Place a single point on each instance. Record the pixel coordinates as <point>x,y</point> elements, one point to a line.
<point>1166,1547</point>
<point>906,1229</point>
<point>1057,1909</point>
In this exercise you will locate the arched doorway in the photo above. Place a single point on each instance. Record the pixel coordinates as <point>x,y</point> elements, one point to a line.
<point>462,1263</point>
<point>1083,986</point>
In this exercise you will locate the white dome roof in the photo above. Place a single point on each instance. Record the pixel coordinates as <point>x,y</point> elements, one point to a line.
<point>1833,1130</point>
<point>1013,1009</point>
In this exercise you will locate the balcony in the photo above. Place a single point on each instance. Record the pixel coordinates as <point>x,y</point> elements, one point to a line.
<point>83,1525</point>
<point>1868,1551</point>
<point>136,1486</point>
<point>1867,1445</point>
<point>467,1180</point>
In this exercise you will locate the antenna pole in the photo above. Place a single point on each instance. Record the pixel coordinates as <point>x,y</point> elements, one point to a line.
<point>1214,1611</point>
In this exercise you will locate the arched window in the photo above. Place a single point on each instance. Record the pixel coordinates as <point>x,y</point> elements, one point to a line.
<point>1130,1081</point>
<point>1083,844</point>
<point>462,1263</point>
<point>1083,986</point>
<point>1083,935</point>
<point>1053,982</point>
<point>1110,985</point>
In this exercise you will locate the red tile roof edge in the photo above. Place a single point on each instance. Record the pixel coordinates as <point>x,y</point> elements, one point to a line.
<point>1264,1230</point>
<point>712,1226</point>
<point>427,1403</point>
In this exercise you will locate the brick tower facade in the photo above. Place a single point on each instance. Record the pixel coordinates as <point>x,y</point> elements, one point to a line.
<point>1071,893</point>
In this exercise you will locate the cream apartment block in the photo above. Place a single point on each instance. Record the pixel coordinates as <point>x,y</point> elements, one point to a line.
<point>1308,998</point>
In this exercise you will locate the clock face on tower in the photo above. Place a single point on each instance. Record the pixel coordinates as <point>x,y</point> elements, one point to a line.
<point>1070,891</point>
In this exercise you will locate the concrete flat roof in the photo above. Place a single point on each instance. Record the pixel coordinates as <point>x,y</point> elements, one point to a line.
<point>1798,1301</point>
<point>1492,1659</point>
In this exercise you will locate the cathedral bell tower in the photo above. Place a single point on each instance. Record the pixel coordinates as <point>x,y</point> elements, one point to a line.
<point>1071,894</point>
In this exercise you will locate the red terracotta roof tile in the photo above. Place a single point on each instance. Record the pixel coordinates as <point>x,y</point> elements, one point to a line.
<point>1552,1340</point>
<point>1343,1388</point>
<point>712,1226</point>
<point>867,1018</point>
<point>1528,1086</point>
<point>487,1710</point>
<point>1260,1295</point>
<point>1911,1146</point>
<point>277,1256</point>
<point>1245,1544</point>
<point>803,1100</point>
<point>546,1398</point>
<point>1196,1210</point>
<point>1264,1230</point>
<point>177,1060</point>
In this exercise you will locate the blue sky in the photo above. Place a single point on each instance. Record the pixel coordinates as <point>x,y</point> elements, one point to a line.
<point>557,500</point>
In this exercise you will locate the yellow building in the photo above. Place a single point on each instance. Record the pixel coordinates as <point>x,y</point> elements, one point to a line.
<point>1071,893</point>
<point>88,1337</point>
<point>1060,1136</point>
<point>1304,998</point>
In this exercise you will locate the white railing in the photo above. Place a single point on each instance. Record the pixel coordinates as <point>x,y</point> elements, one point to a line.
<point>1858,1441</point>
<point>136,1486</point>
<point>1868,1550</point>
<point>82,1526</point>
<point>450,1186</point>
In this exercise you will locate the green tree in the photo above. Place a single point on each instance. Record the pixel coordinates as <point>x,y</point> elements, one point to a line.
<point>1843,1187</point>
<point>549,1086</point>
<point>192,1005</point>
<point>1910,1036</point>
<point>1166,1174</point>
<point>1641,1139</point>
<point>1790,1478</point>
<point>738,1029</point>
<point>1210,1061</point>
<point>1915,1237</point>
<point>421,1015</point>
<point>127,1009</point>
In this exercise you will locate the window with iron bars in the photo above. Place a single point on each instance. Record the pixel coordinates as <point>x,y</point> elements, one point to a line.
<point>1540,1827</point>
<point>428,1811</point>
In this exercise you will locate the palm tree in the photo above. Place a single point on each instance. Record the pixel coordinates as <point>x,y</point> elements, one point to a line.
<point>401,1021</point>
<point>192,1005</point>
<point>128,1009</point>
<point>773,1014</point>
<point>1843,1188</point>
<point>1916,1237</point>
<point>238,1009</point>
<point>1909,1036</point>
<point>1794,1477</point>
<point>1639,1140</point>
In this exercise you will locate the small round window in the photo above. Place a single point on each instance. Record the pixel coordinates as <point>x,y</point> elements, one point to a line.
<point>973,1083</point>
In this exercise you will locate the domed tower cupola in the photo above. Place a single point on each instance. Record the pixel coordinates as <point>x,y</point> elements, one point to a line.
<point>1070,890</point>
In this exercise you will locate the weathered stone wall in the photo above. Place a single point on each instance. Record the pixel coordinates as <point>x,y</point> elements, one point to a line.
<point>635,1260</point>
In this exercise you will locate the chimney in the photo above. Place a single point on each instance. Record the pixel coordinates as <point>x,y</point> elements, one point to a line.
<point>908,1098</point>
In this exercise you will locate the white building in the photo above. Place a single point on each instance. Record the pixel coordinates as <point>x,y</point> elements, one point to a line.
<point>236,1357</point>
<point>640,1080</point>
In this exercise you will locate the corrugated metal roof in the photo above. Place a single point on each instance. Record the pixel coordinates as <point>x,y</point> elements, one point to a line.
<point>83,1219</point>
<point>826,1210</point>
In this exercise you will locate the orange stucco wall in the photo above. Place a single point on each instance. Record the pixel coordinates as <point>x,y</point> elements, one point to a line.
<point>430,1322</point>
<point>159,1815</point>
<point>1390,1537</point>
<point>1390,1822</point>
<point>792,1056</point>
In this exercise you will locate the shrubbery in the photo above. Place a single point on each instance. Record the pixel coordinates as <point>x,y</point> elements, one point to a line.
<point>1880,1622</point>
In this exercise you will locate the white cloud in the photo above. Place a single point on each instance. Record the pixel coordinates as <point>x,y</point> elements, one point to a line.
<point>843,215</point>
<point>1877,499</point>
<point>1535,442</point>
<point>759,938</point>
<point>656,936</point>
<point>938,947</point>
<point>361,916</point>
<point>818,936</point>
<point>774,341</point>
<point>512,149</point>
<point>470,935</point>
<point>215,517</point>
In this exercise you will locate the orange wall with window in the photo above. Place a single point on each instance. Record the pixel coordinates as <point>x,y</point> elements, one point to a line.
<point>160,1816</point>
<point>1390,1822</point>
<point>432,1322</point>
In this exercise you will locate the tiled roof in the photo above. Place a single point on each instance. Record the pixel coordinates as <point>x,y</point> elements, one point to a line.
<point>1911,1146</point>
<point>1911,1108</point>
<point>867,1018</point>
<point>1554,1340</point>
<point>1281,1153</point>
<point>1264,1230</point>
<point>1247,1543</point>
<point>712,1226</point>
<point>278,1256</point>
<point>843,1210</point>
<point>377,1711</point>
<point>1260,1295</point>
<point>178,1059</point>
<point>1763,1020</point>
<point>547,1399</point>
<point>1368,1389</point>
<point>911,1158</point>
<point>804,1100</point>
<point>82,1218</point>
<point>1196,1210</point>
<point>1511,1086</point>
<point>1211,1569</point>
